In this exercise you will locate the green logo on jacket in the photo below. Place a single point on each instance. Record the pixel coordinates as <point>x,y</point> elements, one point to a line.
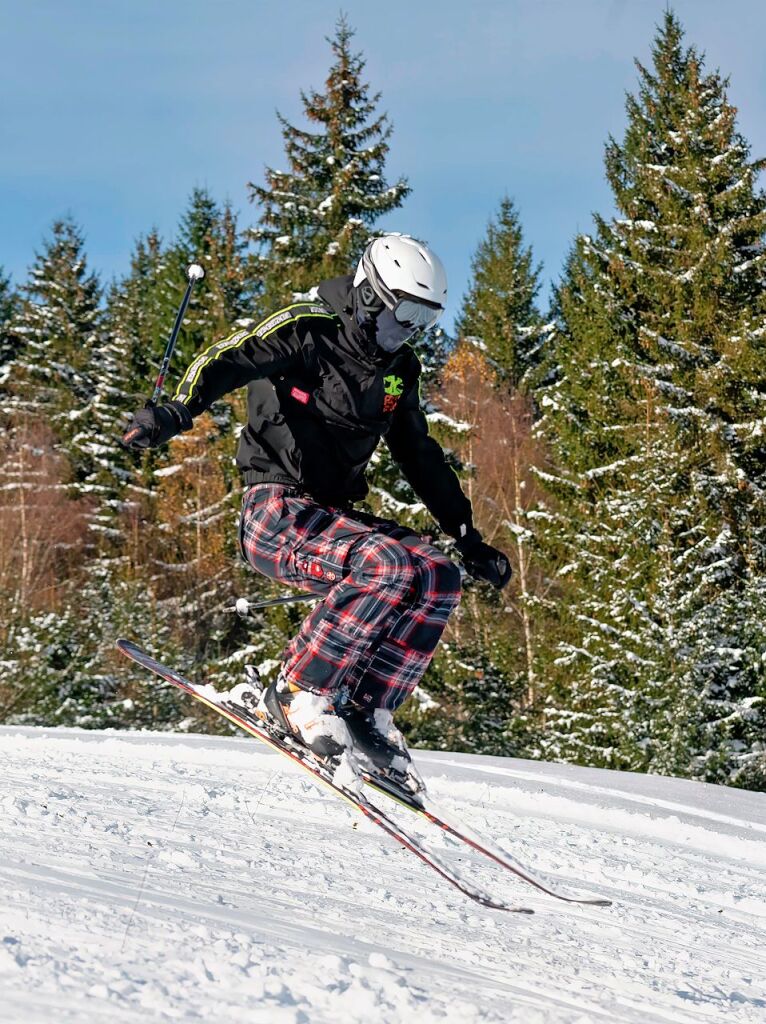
<point>393,385</point>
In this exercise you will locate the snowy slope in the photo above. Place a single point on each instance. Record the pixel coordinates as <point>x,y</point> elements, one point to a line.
<point>154,877</point>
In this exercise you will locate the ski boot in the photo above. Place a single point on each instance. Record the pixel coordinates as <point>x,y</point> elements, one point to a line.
<point>310,718</point>
<point>378,740</point>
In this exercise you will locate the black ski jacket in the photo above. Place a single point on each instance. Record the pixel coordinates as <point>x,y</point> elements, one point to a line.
<point>321,395</point>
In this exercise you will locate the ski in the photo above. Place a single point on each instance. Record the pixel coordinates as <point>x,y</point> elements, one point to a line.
<point>422,804</point>
<point>241,717</point>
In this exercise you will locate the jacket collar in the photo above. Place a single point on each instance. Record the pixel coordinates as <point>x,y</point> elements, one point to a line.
<point>336,293</point>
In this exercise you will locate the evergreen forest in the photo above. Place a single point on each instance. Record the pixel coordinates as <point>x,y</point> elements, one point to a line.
<point>612,445</point>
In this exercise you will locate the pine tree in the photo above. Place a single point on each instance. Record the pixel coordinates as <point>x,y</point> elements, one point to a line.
<point>135,577</point>
<point>8,343</point>
<point>140,310</point>
<point>317,216</point>
<point>189,561</point>
<point>59,324</point>
<point>500,308</point>
<point>225,297</point>
<point>653,408</point>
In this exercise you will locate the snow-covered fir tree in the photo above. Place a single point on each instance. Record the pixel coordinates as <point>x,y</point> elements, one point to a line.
<point>186,496</point>
<point>59,324</point>
<point>316,217</point>
<point>8,343</point>
<point>208,234</point>
<point>654,411</point>
<point>138,311</point>
<point>500,308</point>
<point>142,308</point>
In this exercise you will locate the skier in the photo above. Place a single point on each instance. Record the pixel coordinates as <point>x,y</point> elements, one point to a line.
<point>327,379</point>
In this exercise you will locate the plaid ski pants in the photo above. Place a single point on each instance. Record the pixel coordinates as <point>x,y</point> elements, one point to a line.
<point>386,593</point>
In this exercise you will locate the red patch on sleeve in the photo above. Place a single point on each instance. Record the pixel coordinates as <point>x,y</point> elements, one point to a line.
<point>300,396</point>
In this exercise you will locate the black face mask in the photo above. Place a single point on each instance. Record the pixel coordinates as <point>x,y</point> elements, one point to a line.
<point>390,335</point>
<point>384,329</point>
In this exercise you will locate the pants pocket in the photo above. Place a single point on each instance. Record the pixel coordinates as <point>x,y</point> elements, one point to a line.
<point>316,551</point>
<point>262,530</point>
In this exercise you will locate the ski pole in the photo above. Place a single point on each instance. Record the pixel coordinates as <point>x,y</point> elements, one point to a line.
<point>194,273</point>
<point>244,607</point>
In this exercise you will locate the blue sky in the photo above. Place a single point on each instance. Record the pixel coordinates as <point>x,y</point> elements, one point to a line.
<point>114,111</point>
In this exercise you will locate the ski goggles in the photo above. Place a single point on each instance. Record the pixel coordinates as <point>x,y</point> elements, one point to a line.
<point>415,313</point>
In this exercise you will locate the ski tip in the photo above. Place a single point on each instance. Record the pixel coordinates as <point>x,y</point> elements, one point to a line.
<point>131,650</point>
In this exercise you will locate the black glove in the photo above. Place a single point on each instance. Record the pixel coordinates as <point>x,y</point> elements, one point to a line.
<point>484,562</point>
<point>156,424</point>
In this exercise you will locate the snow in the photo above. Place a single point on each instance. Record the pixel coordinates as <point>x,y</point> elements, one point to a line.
<point>346,775</point>
<point>426,702</point>
<point>309,715</point>
<point>461,426</point>
<point>644,225</point>
<point>157,877</point>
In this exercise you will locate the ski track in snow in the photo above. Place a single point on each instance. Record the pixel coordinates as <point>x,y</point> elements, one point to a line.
<point>157,877</point>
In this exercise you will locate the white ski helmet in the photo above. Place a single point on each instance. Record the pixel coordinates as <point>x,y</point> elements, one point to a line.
<point>399,274</point>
